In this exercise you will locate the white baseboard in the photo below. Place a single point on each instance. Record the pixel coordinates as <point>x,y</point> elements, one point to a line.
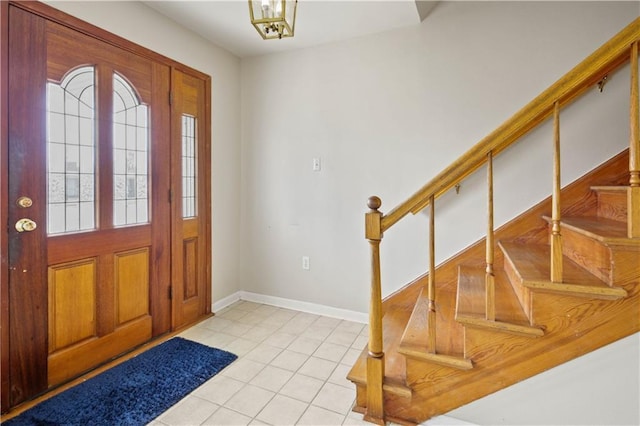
<point>312,308</point>
<point>446,421</point>
<point>225,301</point>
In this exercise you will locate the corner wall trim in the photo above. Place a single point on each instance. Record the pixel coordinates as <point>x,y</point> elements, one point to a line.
<point>312,308</point>
<point>225,301</point>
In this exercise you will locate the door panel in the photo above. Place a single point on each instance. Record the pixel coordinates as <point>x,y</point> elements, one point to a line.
<point>191,263</point>
<point>72,303</point>
<point>132,285</point>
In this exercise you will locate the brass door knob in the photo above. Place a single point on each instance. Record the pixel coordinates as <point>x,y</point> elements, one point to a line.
<point>25,224</point>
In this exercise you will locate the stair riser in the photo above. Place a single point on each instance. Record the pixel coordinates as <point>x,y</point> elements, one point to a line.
<point>578,316</point>
<point>523,293</point>
<point>613,265</point>
<point>438,376</point>
<point>625,265</point>
<point>588,253</point>
<point>361,398</point>
<point>612,205</point>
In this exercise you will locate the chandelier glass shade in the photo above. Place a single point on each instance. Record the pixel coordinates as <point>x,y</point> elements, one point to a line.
<point>273,18</point>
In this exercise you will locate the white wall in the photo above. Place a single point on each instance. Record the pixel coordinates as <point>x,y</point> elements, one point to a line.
<point>143,25</point>
<point>386,113</point>
<point>603,390</point>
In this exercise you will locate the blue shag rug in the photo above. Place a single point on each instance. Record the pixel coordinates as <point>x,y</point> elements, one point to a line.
<point>134,392</point>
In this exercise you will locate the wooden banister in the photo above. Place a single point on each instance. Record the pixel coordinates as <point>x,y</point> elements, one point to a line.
<point>613,54</point>
<point>607,58</point>
<point>490,279</point>
<point>431,290</point>
<point>633,208</point>
<point>556,236</point>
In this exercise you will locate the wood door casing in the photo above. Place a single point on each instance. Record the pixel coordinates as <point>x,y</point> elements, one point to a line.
<point>24,347</point>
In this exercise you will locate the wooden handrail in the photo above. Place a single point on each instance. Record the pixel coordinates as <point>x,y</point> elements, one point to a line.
<point>606,59</point>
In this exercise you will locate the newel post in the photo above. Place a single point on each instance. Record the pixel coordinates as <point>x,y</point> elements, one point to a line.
<point>375,359</point>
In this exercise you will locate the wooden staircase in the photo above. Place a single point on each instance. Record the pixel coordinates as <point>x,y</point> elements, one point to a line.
<point>539,324</point>
<point>563,281</point>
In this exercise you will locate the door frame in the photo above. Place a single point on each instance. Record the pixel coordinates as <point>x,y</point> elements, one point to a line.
<point>54,15</point>
<point>4,209</point>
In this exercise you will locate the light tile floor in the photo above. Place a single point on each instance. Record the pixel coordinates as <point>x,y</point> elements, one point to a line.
<point>291,369</point>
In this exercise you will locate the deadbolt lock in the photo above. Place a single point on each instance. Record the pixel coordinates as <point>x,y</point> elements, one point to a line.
<point>24,202</point>
<point>25,224</point>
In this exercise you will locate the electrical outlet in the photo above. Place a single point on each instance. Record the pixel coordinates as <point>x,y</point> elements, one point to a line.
<point>305,263</point>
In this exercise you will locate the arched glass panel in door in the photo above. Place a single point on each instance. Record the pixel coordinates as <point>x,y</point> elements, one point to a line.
<point>71,152</point>
<point>130,155</point>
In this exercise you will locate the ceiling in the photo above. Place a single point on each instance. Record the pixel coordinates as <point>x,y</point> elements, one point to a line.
<point>226,22</point>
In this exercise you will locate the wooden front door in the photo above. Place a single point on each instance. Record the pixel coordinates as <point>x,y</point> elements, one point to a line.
<point>89,204</point>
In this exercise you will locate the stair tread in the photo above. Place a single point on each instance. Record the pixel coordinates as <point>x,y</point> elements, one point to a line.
<point>419,352</point>
<point>607,231</point>
<point>532,263</point>
<point>358,372</point>
<point>603,188</point>
<point>471,300</point>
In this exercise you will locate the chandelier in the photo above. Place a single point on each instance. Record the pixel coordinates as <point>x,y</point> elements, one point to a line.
<point>273,18</point>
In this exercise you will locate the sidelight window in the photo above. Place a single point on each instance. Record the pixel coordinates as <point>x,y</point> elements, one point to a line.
<point>189,166</point>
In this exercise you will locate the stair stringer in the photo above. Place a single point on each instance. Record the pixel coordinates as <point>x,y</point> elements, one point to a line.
<point>438,389</point>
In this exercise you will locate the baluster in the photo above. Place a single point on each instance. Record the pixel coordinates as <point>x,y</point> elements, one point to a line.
<point>375,359</point>
<point>431,290</point>
<point>556,236</point>
<point>490,282</point>
<point>633,199</point>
